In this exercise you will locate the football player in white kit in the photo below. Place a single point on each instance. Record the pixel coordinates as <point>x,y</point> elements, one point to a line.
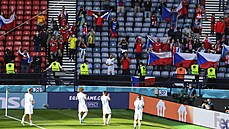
<point>105,98</point>
<point>82,107</point>
<point>29,101</point>
<point>139,105</point>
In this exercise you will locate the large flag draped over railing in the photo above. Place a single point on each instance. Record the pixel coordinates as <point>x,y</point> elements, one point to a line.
<point>163,58</point>
<point>104,13</point>
<point>187,59</point>
<point>205,60</point>
<point>7,24</point>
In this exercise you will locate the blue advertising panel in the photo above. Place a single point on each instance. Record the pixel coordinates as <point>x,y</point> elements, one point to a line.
<point>16,100</point>
<point>69,100</point>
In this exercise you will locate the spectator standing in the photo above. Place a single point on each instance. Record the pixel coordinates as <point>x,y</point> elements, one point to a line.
<point>63,17</point>
<point>37,63</point>
<point>173,18</point>
<point>147,5</point>
<point>44,37</point>
<point>125,64</point>
<point>121,5</point>
<point>124,46</point>
<point>227,60</point>
<point>65,33</point>
<point>72,49</point>
<point>188,45</point>
<point>55,28</point>
<point>176,46</point>
<point>91,38</point>
<point>191,91</point>
<point>26,60</point>
<point>80,12</point>
<point>219,29</point>
<point>142,74</point>
<point>180,71</point>
<point>162,4</point>
<point>187,32</point>
<point>171,33</point>
<point>83,47</point>
<point>59,56</point>
<point>217,48</point>
<point>9,56</point>
<point>113,27</point>
<point>61,43</point>
<point>178,35</point>
<point>99,21</point>
<point>80,21</point>
<point>212,24</point>
<point>157,47</point>
<point>74,29</point>
<point>105,4</point>
<point>211,72</point>
<point>199,13</point>
<point>202,49</point>
<point>40,21</point>
<point>153,21</point>
<point>185,9</point>
<point>226,20</point>
<point>37,42</point>
<point>196,31</point>
<point>196,45</point>
<point>110,65</point>
<point>84,31</point>
<point>137,5</point>
<point>138,52</point>
<point>207,43</point>
<point>53,45</point>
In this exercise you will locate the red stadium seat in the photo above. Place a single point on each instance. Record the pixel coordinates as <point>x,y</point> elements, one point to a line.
<point>16,48</point>
<point>31,43</point>
<point>4,2</point>
<point>24,43</point>
<point>20,2</point>
<point>18,22</point>
<point>42,54</point>
<point>9,43</point>
<point>17,60</point>
<point>2,37</point>
<point>43,8</point>
<point>27,7</point>
<point>36,8</point>
<point>34,27</point>
<point>19,12</point>
<point>26,38</point>
<point>1,43</point>
<point>35,12</point>
<point>32,54</point>
<point>31,49</point>
<point>18,32</point>
<point>27,23</point>
<point>9,38</point>
<point>44,3</point>
<point>17,38</point>
<point>1,48</point>
<point>26,27</point>
<point>34,23</point>
<point>9,47</point>
<point>33,33</point>
<point>43,59</point>
<point>19,17</point>
<point>25,48</point>
<point>26,33</point>
<point>12,2</point>
<point>17,43</point>
<point>27,12</point>
<point>20,7</point>
<point>2,32</point>
<point>36,2</point>
<point>1,53</point>
<point>43,65</point>
<point>26,18</point>
<point>28,3</point>
<point>16,53</point>
<point>4,7</point>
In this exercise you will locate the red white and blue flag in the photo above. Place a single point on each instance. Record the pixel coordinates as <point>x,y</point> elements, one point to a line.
<point>152,39</point>
<point>187,59</point>
<point>7,24</point>
<point>149,81</point>
<point>225,51</point>
<point>104,13</point>
<point>166,12</point>
<point>205,60</point>
<point>163,58</point>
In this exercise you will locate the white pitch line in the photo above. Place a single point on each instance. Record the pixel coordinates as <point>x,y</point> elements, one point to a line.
<point>25,122</point>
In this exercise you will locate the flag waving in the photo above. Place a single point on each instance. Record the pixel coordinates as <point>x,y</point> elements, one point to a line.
<point>7,24</point>
<point>163,58</point>
<point>166,12</point>
<point>186,59</point>
<point>225,51</point>
<point>104,13</point>
<point>205,60</point>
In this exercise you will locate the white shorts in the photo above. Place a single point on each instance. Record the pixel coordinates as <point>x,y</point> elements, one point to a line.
<point>106,110</point>
<point>138,115</point>
<point>29,109</point>
<point>82,108</point>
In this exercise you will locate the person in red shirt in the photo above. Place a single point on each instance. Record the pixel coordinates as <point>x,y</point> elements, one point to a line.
<point>153,21</point>
<point>53,45</point>
<point>212,24</point>
<point>65,33</point>
<point>185,9</point>
<point>125,64</point>
<point>157,46</point>
<point>61,43</point>
<point>74,29</point>
<point>63,17</point>
<point>217,48</point>
<point>99,21</point>
<point>226,20</point>
<point>138,52</point>
<point>207,43</point>
<point>199,13</point>
<point>219,29</point>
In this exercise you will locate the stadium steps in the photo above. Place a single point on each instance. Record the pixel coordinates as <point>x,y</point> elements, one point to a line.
<point>55,7</point>
<point>212,6</point>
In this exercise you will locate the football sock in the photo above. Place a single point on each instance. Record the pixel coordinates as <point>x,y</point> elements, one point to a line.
<point>139,124</point>
<point>109,118</point>
<point>79,116</point>
<point>135,123</point>
<point>104,119</point>
<point>84,115</point>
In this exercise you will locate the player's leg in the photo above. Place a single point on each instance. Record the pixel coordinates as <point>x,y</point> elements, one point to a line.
<point>84,116</point>
<point>79,116</point>
<point>30,119</point>
<point>135,124</point>
<point>109,119</point>
<point>23,119</point>
<point>135,119</point>
<point>139,124</point>
<point>104,119</point>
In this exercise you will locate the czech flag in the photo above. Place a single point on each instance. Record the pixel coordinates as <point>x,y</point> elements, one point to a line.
<point>7,24</point>
<point>163,58</point>
<point>104,13</point>
<point>149,81</point>
<point>150,41</point>
<point>166,12</point>
<point>225,51</point>
<point>187,59</point>
<point>205,60</point>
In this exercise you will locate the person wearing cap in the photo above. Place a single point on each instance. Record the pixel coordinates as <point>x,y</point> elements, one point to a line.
<point>180,71</point>
<point>219,29</point>
<point>56,67</point>
<point>142,74</point>
<point>211,72</point>
<point>84,68</point>
<point>10,68</point>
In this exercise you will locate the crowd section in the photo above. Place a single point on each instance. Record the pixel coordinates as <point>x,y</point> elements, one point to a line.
<point>112,36</point>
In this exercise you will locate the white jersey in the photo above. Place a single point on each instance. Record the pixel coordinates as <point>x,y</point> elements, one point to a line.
<point>160,108</point>
<point>82,104</point>
<point>138,104</point>
<point>105,104</point>
<point>28,103</point>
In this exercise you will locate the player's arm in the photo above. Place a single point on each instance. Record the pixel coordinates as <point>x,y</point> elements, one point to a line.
<point>108,96</point>
<point>85,97</point>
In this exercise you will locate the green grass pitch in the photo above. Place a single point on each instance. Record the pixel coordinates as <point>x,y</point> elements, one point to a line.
<point>67,119</point>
